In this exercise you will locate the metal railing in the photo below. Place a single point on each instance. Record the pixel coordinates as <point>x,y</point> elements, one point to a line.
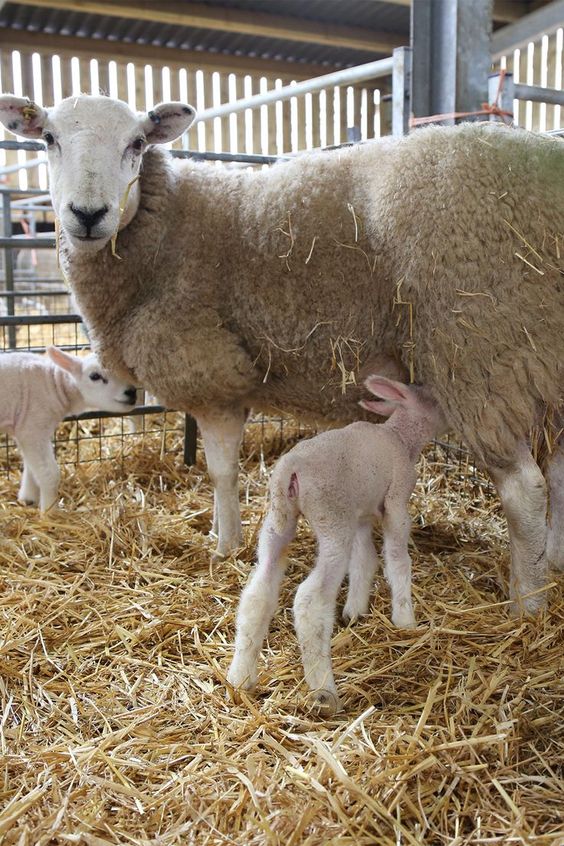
<point>510,90</point>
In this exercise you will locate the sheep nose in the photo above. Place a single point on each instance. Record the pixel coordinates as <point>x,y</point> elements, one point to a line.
<point>131,394</point>
<point>88,217</point>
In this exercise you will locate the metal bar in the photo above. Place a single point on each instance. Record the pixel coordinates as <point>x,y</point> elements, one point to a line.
<point>504,98</point>
<point>70,348</point>
<point>245,158</point>
<point>190,440</point>
<point>401,91</point>
<point>22,276</point>
<point>22,242</point>
<point>371,70</point>
<point>538,94</point>
<point>451,55</point>
<point>22,145</point>
<point>8,262</point>
<point>22,192</point>
<point>39,319</point>
<point>34,293</point>
<point>17,203</point>
<point>22,166</point>
<point>136,411</point>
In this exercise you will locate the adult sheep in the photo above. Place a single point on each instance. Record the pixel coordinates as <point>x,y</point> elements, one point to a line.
<point>435,257</point>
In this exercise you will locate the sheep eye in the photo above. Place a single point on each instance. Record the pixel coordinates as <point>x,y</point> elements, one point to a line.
<point>49,138</point>
<point>138,144</point>
<point>95,377</point>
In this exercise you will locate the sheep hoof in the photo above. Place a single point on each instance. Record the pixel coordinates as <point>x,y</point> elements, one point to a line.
<point>323,702</point>
<point>555,555</point>
<point>225,550</point>
<point>527,606</point>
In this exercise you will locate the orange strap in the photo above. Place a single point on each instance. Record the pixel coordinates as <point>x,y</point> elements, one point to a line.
<point>486,109</point>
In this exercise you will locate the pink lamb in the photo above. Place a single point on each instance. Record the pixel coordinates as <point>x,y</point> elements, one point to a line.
<point>36,393</point>
<point>339,480</point>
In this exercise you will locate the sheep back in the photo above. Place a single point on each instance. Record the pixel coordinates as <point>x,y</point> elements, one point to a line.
<point>435,257</point>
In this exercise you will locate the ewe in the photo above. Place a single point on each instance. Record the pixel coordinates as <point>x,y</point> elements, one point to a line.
<point>433,259</point>
<point>340,481</point>
<point>37,393</point>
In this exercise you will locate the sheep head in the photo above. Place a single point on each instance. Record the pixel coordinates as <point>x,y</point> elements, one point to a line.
<point>95,146</point>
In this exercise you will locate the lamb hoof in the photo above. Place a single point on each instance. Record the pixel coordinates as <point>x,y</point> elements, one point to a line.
<point>351,613</point>
<point>26,501</point>
<point>242,676</point>
<point>323,702</point>
<point>404,621</point>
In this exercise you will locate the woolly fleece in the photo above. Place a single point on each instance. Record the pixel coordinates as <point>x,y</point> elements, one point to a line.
<point>436,257</point>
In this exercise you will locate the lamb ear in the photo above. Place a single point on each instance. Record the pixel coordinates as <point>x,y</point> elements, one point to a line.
<point>167,121</point>
<point>22,116</point>
<point>387,389</point>
<point>384,409</point>
<point>67,362</point>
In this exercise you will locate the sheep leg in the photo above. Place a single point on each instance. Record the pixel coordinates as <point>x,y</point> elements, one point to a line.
<point>259,601</point>
<point>314,615</point>
<point>362,569</point>
<point>522,490</point>
<point>39,459</point>
<point>555,482</point>
<point>396,527</point>
<point>29,489</point>
<point>222,433</point>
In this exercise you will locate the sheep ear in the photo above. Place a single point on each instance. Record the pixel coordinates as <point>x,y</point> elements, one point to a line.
<point>167,121</point>
<point>384,409</point>
<point>22,116</point>
<point>387,389</point>
<point>67,362</point>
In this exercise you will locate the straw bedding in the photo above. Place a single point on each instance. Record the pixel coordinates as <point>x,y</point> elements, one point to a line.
<point>116,637</point>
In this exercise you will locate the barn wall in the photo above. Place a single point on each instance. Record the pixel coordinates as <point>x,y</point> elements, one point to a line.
<point>313,120</point>
<point>538,63</point>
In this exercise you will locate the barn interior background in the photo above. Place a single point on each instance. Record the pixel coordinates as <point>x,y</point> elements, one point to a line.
<point>116,629</point>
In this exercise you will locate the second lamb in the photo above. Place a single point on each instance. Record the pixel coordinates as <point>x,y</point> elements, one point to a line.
<point>339,480</point>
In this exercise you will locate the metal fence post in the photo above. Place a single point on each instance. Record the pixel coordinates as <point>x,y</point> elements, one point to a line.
<point>504,98</point>
<point>9,264</point>
<point>190,440</point>
<point>401,91</point>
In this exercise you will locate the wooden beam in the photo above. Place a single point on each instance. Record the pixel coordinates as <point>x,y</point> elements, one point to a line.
<point>508,11</point>
<point>544,21</point>
<point>92,48</point>
<point>236,20</point>
<point>505,11</point>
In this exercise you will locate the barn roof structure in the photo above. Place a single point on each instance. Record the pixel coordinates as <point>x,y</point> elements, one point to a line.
<point>311,37</point>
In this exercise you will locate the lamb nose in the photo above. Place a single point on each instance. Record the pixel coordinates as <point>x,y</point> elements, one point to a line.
<point>88,217</point>
<point>131,394</point>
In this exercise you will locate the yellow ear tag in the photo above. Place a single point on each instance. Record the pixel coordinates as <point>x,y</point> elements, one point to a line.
<point>29,112</point>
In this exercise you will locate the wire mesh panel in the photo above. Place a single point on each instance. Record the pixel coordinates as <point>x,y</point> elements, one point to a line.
<point>91,436</point>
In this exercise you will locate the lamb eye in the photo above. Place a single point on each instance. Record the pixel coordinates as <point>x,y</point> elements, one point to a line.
<point>95,377</point>
<point>49,138</point>
<point>138,144</point>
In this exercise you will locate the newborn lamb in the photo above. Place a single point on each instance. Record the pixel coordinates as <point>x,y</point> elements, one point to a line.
<point>36,393</point>
<point>339,480</point>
